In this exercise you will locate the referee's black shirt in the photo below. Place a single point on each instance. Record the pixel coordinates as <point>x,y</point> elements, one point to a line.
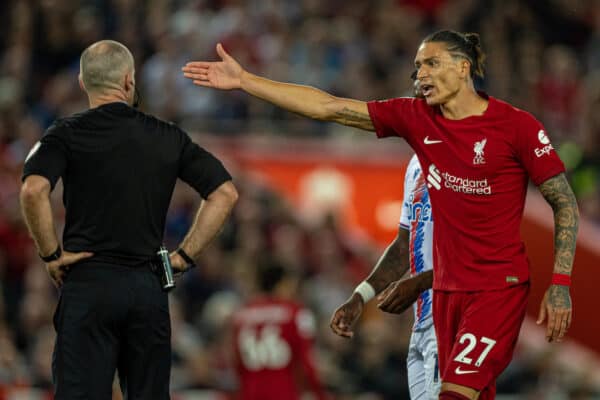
<point>119,167</point>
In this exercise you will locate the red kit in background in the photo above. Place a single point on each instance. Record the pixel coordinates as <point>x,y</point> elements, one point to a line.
<point>273,338</point>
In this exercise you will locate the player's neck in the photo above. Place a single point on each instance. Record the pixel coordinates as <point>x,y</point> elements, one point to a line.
<point>466,103</point>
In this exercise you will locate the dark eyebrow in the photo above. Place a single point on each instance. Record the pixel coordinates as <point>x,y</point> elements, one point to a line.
<point>427,59</point>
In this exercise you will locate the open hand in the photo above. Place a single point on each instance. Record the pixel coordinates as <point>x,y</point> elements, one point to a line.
<point>346,315</point>
<point>225,74</point>
<point>556,305</point>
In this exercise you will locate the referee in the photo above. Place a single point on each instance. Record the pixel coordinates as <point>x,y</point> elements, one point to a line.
<point>118,167</point>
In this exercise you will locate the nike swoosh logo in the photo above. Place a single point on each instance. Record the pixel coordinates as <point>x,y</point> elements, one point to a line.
<point>428,141</point>
<point>459,371</point>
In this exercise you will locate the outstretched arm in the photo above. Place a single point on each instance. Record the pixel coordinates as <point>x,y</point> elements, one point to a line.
<point>310,102</point>
<point>556,304</point>
<point>390,267</point>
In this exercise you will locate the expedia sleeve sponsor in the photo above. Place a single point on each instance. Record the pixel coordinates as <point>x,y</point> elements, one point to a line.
<point>534,150</point>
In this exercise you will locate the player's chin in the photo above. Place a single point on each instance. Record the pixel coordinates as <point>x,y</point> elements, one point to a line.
<point>433,100</point>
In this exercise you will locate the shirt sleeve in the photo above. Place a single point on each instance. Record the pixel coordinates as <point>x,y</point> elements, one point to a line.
<point>200,169</point>
<point>535,151</point>
<point>48,157</point>
<point>393,117</point>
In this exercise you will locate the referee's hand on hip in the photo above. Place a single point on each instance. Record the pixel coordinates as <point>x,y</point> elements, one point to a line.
<point>178,264</point>
<point>59,268</point>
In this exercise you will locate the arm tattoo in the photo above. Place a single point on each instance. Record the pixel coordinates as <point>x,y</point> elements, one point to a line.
<point>559,195</point>
<point>392,265</point>
<point>353,118</point>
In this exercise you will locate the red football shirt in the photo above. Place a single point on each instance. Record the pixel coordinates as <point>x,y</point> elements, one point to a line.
<point>477,170</point>
<point>273,341</point>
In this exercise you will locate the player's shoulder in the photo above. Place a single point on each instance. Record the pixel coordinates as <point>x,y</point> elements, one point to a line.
<point>513,112</point>
<point>405,102</point>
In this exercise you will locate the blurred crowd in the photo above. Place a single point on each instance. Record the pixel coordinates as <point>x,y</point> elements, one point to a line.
<point>543,56</point>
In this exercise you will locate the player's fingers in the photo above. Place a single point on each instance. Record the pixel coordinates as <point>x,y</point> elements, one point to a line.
<point>202,83</point>
<point>562,328</point>
<point>551,324</point>
<point>57,277</point>
<point>73,258</point>
<point>384,293</point>
<point>556,329</point>
<point>340,330</point>
<point>193,65</point>
<point>383,299</point>
<point>542,313</point>
<point>387,302</point>
<point>343,333</point>
<point>340,320</point>
<point>222,53</point>
<point>335,317</point>
<point>397,306</point>
<point>391,304</point>
<point>196,75</point>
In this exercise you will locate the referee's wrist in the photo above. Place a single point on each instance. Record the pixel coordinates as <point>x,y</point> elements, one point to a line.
<point>188,260</point>
<point>55,255</point>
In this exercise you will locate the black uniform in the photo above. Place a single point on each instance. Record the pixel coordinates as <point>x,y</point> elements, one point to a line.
<point>119,167</point>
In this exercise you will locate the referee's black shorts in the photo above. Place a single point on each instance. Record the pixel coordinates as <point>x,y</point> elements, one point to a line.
<point>109,317</point>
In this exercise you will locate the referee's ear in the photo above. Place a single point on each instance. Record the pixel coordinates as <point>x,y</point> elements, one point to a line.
<point>81,84</point>
<point>129,83</point>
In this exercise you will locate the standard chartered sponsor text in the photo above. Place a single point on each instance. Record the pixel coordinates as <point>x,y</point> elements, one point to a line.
<point>466,185</point>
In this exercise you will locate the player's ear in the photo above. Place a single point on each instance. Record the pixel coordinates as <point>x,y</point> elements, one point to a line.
<point>465,69</point>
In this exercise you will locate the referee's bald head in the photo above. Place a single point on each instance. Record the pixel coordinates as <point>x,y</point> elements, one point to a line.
<point>104,64</point>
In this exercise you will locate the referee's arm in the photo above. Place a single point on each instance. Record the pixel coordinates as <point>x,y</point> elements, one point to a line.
<point>37,212</point>
<point>209,219</point>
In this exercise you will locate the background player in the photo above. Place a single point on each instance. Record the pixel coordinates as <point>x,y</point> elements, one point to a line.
<point>273,338</point>
<point>478,153</point>
<point>411,248</point>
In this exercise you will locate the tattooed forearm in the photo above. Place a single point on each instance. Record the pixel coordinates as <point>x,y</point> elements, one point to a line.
<point>353,118</point>
<point>393,264</point>
<point>559,195</point>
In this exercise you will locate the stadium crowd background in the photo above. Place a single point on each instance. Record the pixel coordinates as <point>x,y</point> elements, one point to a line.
<point>544,56</point>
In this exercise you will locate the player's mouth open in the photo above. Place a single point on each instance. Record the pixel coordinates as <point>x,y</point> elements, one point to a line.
<point>426,89</point>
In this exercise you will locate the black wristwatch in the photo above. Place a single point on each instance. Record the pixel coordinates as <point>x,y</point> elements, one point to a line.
<point>190,262</point>
<point>52,257</point>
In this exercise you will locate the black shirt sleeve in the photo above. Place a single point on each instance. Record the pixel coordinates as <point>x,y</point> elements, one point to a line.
<point>200,169</point>
<point>48,157</point>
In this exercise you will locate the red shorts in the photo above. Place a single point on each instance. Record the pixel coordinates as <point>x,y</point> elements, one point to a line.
<point>477,333</point>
